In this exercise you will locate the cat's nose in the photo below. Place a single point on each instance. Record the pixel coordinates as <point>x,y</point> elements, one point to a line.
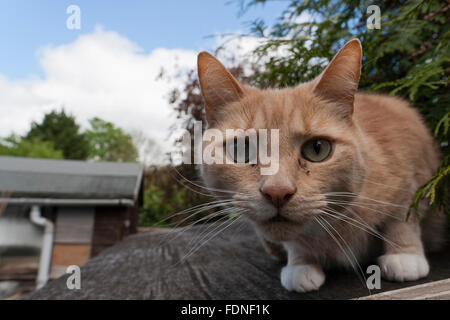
<point>278,194</point>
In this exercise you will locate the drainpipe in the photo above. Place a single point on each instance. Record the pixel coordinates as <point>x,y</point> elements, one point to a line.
<point>47,245</point>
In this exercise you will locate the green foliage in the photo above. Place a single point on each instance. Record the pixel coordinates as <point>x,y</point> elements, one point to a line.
<point>19,147</point>
<point>167,194</point>
<point>63,132</point>
<point>58,136</point>
<point>156,207</point>
<point>442,128</point>
<point>437,189</point>
<point>409,56</point>
<point>109,143</point>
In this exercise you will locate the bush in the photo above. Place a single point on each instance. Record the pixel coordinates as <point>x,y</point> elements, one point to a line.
<point>168,193</point>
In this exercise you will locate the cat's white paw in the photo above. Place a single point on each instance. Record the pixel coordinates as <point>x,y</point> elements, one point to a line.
<point>302,278</point>
<point>403,267</point>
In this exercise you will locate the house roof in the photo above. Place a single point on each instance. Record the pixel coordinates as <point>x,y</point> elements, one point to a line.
<point>69,179</point>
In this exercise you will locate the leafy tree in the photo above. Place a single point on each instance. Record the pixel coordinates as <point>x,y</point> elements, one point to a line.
<point>63,132</point>
<point>59,136</point>
<point>109,143</point>
<point>408,56</point>
<point>19,147</point>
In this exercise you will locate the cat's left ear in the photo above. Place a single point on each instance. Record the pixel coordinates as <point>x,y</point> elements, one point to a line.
<point>339,81</point>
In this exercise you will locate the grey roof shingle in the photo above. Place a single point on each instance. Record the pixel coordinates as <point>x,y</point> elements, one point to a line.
<point>42,178</point>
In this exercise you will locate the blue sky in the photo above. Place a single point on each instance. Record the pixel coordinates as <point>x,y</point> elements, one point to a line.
<point>109,68</point>
<point>27,25</point>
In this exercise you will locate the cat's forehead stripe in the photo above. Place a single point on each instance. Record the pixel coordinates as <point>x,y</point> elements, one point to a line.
<point>259,118</point>
<point>295,118</point>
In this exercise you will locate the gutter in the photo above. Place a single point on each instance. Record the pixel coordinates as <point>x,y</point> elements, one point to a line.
<point>69,202</point>
<point>47,245</point>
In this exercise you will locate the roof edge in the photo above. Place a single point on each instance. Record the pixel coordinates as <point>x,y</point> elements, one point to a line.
<point>69,202</point>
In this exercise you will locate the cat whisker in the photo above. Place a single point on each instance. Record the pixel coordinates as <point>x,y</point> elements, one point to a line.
<point>204,206</point>
<point>355,195</point>
<point>194,184</point>
<point>226,212</point>
<point>209,188</point>
<point>227,224</point>
<point>201,193</point>
<point>360,225</point>
<point>388,186</point>
<point>224,217</point>
<point>241,226</point>
<point>355,264</point>
<point>208,217</point>
<point>358,205</point>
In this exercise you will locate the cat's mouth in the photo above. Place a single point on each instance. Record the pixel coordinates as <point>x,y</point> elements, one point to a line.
<point>280,228</point>
<point>277,218</point>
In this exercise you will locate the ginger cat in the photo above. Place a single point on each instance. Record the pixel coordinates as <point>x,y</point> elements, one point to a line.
<point>349,164</point>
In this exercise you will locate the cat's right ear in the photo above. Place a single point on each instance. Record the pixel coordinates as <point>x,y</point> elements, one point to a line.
<point>218,86</point>
<point>339,81</point>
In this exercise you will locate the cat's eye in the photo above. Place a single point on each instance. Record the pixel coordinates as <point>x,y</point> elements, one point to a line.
<point>316,150</point>
<point>242,151</point>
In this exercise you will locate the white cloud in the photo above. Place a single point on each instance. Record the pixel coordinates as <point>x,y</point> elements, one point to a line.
<point>100,74</point>
<point>104,74</point>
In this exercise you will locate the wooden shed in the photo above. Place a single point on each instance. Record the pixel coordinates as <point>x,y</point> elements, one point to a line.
<point>84,207</point>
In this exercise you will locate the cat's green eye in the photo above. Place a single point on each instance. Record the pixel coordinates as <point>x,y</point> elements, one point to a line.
<point>244,152</point>
<point>316,150</point>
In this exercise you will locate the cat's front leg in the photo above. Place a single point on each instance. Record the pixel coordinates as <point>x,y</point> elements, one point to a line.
<point>300,274</point>
<point>404,260</point>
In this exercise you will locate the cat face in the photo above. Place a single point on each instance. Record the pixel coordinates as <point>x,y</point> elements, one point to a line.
<point>320,148</point>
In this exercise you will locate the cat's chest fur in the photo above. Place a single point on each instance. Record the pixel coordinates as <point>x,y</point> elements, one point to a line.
<point>345,248</point>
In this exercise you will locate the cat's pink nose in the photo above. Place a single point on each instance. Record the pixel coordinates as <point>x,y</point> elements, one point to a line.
<point>278,194</point>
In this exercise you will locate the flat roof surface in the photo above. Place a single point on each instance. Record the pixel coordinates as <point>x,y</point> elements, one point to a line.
<point>230,265</point>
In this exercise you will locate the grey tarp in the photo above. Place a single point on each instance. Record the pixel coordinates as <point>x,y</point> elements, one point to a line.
<point>233,265</point>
